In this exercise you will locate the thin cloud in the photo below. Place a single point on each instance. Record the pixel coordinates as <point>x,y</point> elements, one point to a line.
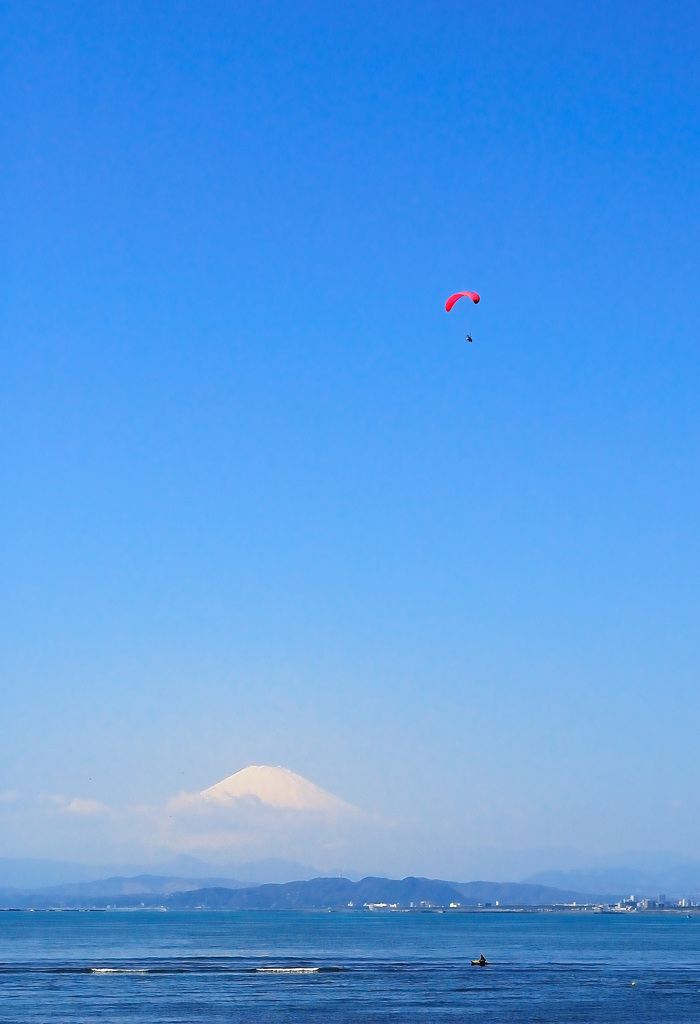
<point>77,805</point>
<point>86,807</point>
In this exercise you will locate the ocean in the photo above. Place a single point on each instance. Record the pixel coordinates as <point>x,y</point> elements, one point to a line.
<point>269,967</point>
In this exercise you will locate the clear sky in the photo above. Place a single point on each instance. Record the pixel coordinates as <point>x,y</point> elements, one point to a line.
<point>261,503</point>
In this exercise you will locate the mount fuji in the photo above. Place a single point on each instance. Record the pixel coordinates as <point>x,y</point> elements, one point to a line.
<point>274,787</point>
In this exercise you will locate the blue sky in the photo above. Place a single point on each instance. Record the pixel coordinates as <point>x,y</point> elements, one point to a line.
<point>261,502</point>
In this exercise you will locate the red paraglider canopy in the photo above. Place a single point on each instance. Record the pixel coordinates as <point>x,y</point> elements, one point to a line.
<point>460,295</point>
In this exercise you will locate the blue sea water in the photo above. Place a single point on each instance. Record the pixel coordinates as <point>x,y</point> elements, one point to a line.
<point>348,967</point>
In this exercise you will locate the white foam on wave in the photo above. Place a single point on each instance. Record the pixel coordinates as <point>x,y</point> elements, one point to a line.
<point>287,970</point>
<point>118,970</point>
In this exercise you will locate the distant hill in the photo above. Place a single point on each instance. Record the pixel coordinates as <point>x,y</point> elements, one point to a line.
<point>406,892</point>
<point>324,892</point>
<point>522,894</point>
<point>674,879</point>
<point>317,893</point>
<point>30,874</point>
<point>137,885</point>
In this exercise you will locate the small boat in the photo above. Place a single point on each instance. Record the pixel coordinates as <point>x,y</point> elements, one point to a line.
<point>480,963</point>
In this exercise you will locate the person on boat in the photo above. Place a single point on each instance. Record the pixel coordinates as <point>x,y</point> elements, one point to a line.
<point>482,961</point>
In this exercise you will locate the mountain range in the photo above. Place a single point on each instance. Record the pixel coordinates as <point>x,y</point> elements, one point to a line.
<point>228,894</point>
<point>32,874</point>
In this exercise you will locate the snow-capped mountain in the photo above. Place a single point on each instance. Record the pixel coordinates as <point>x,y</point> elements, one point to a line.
<point>274,787</point>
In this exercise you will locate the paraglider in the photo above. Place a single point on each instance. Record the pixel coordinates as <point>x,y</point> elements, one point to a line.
<point>462,295</point>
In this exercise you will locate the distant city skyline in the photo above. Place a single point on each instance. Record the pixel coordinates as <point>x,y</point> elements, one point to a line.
<point>263,504</point>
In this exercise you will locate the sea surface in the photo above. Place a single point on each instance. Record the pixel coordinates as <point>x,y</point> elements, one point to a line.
<point>269,967</point>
